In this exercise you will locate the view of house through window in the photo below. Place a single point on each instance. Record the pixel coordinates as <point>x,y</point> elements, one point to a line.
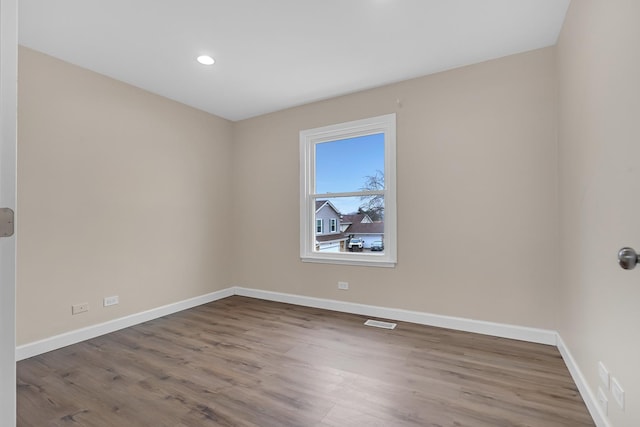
<point>347,182</point>
<point>353,165</point>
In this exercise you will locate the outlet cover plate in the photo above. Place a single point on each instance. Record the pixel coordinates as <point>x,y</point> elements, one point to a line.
<point>80,308</point>
<point>603,401</point>
<point>603,373</point>
<point>343,285</point>
<point>617,392</point>
<point>111,301</point>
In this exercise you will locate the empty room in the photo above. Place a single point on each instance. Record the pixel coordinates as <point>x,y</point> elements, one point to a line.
<point>320,213</point>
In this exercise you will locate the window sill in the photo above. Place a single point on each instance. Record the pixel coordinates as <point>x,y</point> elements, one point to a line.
<point>349,261</point>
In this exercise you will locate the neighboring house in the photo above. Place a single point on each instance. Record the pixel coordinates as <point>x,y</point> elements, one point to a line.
<point>350,219</point>
<point>333,229</point>
<point>367,231</point>
<point>360,225</point>
<point>329,236</point>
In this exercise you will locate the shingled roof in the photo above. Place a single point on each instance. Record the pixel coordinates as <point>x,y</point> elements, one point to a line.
<point>365,228</point>
<point>355,218</point>
<point>321,203</point>
<point>331,237</point>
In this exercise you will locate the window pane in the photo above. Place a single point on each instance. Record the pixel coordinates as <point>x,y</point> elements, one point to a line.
<point>359,224</point>
<point>348,165</point>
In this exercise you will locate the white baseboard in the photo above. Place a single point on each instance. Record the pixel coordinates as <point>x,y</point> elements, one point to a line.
<point>585,391</point>
<point>522,333</point>
<point>58,341</point>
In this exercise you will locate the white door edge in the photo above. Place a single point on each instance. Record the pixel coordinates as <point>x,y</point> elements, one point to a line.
<point>8,146</point>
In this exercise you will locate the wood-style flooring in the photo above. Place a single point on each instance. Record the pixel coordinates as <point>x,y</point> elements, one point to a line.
<point>246,362</point>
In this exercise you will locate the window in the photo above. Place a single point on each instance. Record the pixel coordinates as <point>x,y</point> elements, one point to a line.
<point>347,175</point>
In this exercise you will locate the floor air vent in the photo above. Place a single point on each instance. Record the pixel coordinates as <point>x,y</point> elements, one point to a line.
<point>379,324</point>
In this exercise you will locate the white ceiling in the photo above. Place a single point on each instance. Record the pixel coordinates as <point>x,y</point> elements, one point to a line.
<point>275,54</point>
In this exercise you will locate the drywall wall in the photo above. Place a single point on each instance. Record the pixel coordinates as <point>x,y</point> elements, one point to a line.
<point>477,195</point>
<point>126,193</point>
<point>599,153</point>
<point>120,192</point>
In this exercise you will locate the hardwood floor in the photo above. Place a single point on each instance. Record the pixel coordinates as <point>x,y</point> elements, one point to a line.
<point>246,362</point>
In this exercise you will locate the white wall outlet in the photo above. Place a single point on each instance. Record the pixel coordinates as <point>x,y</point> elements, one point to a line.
<point>79,308</point>
<point>343,285</point>
<point>603,373</point>
<point>603,401</point>
<point>617,392</point>
<point>110,301</point>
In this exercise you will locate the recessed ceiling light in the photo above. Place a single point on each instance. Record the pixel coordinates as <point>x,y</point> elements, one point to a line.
<point>206,60</point>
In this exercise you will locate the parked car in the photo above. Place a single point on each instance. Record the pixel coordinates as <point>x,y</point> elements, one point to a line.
<point>377,245</point>
<point>356,243</point>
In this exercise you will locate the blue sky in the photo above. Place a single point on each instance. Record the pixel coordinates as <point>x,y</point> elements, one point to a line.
<point>342,166</point>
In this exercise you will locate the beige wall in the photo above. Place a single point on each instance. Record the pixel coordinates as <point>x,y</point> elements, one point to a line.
<point>125,193</point>
<point>477,199</point>
<point>599,139</point>
<point>121,192</point>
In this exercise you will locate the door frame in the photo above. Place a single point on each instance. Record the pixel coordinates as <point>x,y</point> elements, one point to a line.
<point>8,160</point>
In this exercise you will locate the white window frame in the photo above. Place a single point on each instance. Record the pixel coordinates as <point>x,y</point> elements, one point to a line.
<point>321,223</point>
<point>333,225</point>
<point>386,125</point>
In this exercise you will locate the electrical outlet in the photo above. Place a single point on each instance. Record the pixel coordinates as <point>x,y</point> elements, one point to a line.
<point>80,308</point>
<point>603,401</point>
<point>617,392</point>
<point>343,285</point>
<point>110,301</point>
<point>603,373</point>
